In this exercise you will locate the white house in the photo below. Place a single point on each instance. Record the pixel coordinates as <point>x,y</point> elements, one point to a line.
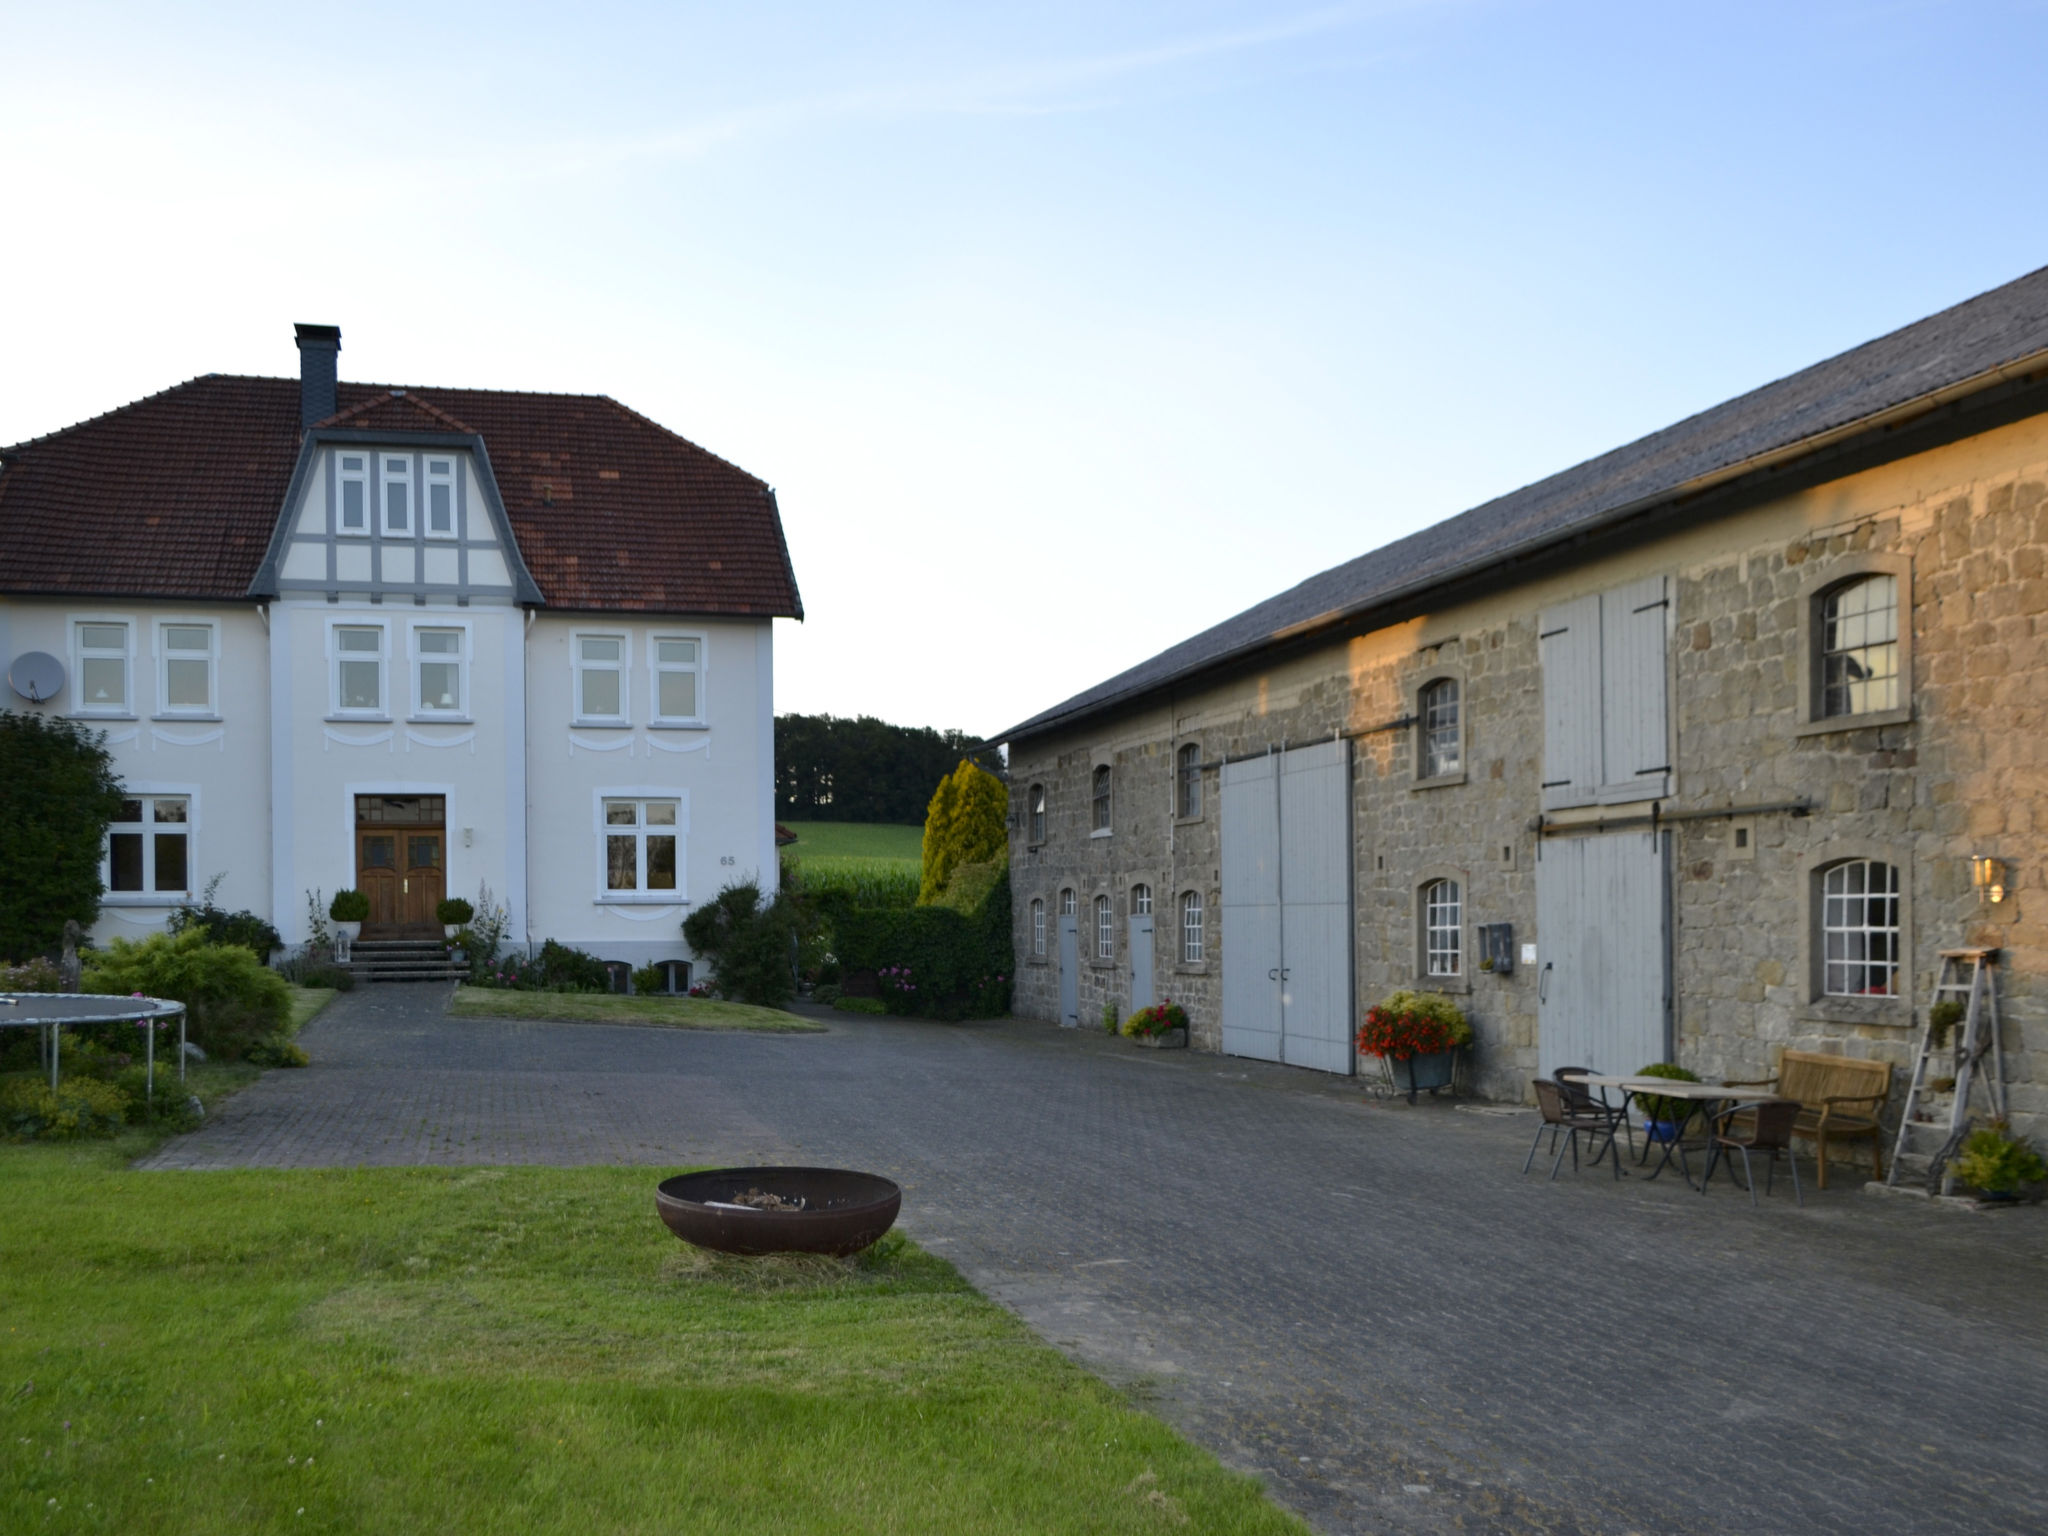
<point>415,641</point>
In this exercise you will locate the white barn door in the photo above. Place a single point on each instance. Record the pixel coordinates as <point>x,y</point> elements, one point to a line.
<point>1140,951</point>
<point>1070,971</point>
<point>1287,907</point>
<point>1602,927</point>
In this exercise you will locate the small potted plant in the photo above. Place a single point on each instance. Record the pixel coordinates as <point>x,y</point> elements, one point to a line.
<point>349,909</point>
<point>1162,1027</point>
<point>1418,1035</point>
<point>1663,1117</point>
<point>1998,1164</point>
<point>453,914</point>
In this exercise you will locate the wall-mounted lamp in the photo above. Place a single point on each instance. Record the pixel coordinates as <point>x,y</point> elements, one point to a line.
<point>1988,875</point>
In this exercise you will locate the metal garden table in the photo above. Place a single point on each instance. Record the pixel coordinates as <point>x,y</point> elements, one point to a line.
<point>1699,1098</point>
<point>52,1011</point>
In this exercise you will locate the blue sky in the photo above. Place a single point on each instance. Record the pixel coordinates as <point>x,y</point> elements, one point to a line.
<point>1062,331</point>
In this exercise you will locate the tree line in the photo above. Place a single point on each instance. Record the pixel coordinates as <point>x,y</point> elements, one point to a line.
<point>835,768</point>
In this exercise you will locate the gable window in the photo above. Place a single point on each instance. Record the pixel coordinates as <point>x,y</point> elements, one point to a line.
<point>1101,798</point>
<point>439,662</point>
<point>355,494</point>
<point>397,493</point>
<point>1038,813</point>
<point>1105,929</point>
<point>185,678</point>
<point>359,669</point>
<point>601,677</point>
<point>1189,786</point>
<point>440,498</point>
<point>148,848</point>
<point>102,669</point>
<point>677,700</point>
<point>1860,929</point>
<point>1443,924</point>
<point>640,846</point>
<point>1440,738</point>
<point>1191,928</point>
<point>1859,647</point>
<point>1038,926</point>
<point>1141,901</point>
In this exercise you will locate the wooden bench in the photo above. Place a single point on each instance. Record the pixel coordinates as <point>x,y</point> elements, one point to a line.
<point>1839,1098</point>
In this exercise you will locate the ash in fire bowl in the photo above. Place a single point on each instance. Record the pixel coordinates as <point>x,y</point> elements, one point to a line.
<point>779,1210</point>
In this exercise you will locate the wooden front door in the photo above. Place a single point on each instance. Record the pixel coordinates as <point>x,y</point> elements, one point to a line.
<point>401,859</point>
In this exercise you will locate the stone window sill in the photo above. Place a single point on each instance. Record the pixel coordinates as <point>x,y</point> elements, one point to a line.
<point>145,899</point>
<point>184,719</point>
<point>1891,1012</point>
<point>600,725</point>
<point>1196,968</point>
<point>1456,984</point>
<point>1102,965</point>
<point>1038,960</point>
<point>1876,717</point>
<point>1190,821</point>
<point>1102,832</point>
<point>678,725</point>
<point>356,719</point>
<point>1441,781</point>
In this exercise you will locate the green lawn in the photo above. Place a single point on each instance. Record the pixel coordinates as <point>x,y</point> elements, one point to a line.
<point>855,840</point>
<point>610,1008</point>
<point>307,1001</point>
<point>526,1350</point>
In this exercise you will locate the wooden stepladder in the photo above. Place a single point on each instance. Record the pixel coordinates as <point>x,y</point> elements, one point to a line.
<point>1979,1057</point>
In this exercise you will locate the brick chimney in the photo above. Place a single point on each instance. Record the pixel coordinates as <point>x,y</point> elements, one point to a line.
<point>319,352</point>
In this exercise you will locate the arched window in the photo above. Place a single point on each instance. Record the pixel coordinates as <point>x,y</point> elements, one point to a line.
<point>1190,780</point>
<point>1859,926</point>
<point>1038,813</point>
<point>1859,647</point>
<point>1067,902</point>
<point>1141,900</point>
<point>1105,929</point>
<point>1037,925</point>
<point>1102,799</point>
<point>1443,928</point>
<point>1191,927</point>
<point>1440,739</point>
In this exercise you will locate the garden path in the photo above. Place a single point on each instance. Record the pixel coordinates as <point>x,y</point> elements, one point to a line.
<point>1362,1301</point>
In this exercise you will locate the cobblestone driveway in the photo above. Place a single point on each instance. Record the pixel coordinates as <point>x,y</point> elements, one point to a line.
<point>1362,1301</point>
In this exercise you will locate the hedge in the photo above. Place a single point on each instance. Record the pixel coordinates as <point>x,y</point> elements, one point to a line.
<point>958,963</point>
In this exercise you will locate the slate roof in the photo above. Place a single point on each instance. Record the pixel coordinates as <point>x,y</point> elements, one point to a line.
<point>177,495</point>
<point>1981,339</point>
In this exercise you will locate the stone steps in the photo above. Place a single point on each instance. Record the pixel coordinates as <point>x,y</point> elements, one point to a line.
<point>404,960</point>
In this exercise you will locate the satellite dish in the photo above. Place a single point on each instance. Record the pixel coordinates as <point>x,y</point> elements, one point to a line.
<point>37,676</point>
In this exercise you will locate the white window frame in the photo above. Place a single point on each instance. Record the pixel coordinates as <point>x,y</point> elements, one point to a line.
<point>1859,621</point>
<point>1070,904</point>
<point>429,481</point>
<point>1038,927</point>
<point>1105,928</point>
<point>640,896</point>
<point>335,657</point>
<point>1439,743</point>
<point>577,667</point>
<point>1141,900</point>
<point>1187,781</point>
<point>1101,800</point>
<point>80,654</point>
<point>1443,941</point>
<point>1857,935</point>
<point>148,896</point>
<point>1192,945</point>
<point>385,480</point>
<point>418,659</point>
<point>343,478</point>
<point>165,709</point>
<point>656,667</point>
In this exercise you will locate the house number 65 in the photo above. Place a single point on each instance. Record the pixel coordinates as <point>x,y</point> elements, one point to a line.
<point>729,859</point>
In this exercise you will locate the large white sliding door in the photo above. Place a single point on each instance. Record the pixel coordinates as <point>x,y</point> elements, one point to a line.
<point>1602,922</point>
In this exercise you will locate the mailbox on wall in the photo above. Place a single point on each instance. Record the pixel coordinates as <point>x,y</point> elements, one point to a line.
<point>1497,948</point>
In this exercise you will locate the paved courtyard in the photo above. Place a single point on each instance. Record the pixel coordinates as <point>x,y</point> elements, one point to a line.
<point>1362,1301</point>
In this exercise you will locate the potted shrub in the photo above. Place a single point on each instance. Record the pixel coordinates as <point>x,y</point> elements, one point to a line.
<point>1418,1035</point>
<point>1998,1164</point>
<point>1163,1026</point>
<point>1662,1117</point>
<point>453,914</point>
<point>349,909</point>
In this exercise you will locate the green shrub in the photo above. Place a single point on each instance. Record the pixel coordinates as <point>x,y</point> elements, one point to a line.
<point>170,1108</point>
<point>37,975</point>
<point>650,980</point>
<point>278,1051</point>
<point>60,794</point>
<point>224,927</point>
<point>454,910</point>
<point>349,906</point>
<point>825,992</point>
<point>860,1005</point>
<point>967,822</point>
<point>557,968</point>
<point>1657,1108</point>
<point>1943,1017</point>
<point>232,1000</point>
<point>1998,1162</point>
<point>972,884</point>
<point>1156,1020</point>
<point>751,944</point>
<point>79,1108</point>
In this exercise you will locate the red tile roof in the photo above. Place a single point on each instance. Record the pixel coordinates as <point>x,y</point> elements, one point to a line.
<point>177,495</point>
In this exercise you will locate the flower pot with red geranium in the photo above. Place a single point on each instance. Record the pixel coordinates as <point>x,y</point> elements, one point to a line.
<point>1418,1035</point>
<point>1163,1026</point>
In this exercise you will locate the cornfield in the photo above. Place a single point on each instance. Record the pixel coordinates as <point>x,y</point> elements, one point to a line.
<point>855,882</point>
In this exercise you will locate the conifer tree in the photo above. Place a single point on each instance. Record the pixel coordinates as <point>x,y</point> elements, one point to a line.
<point>966,823</point>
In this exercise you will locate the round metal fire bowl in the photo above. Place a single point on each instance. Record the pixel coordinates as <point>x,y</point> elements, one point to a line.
<point>845,1211</point>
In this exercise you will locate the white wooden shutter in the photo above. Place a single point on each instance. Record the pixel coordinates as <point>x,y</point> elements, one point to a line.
<point>1569,644</point>
<point>1635,749</point>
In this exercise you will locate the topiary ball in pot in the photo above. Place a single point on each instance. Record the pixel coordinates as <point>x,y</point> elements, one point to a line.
<point>1662,1117</point>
